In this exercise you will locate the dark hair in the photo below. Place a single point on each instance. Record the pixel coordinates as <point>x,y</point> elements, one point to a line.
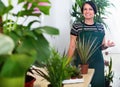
<point>91,4</point>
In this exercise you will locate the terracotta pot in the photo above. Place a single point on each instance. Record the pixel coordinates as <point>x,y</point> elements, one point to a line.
<point>29,81</point>
<point>74,77</point>
<point>84,68</point>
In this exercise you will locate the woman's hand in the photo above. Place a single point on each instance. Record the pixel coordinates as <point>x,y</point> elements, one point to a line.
<point>109,43</point>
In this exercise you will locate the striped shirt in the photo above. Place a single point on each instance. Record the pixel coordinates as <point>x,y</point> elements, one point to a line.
<point>79,27</point>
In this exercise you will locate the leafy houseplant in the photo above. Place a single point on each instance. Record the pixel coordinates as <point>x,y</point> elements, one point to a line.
<point>86,48</point>
<point>30,45</point>
<point>109,74</point>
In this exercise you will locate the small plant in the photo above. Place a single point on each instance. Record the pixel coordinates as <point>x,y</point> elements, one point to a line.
<point>74,72</point>
<point>109,74</point>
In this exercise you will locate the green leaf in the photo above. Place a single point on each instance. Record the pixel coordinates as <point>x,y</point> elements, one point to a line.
<point>27,13</point>
<point>47,29</point>
<point>4,9</point>
<point>43,48</point>
<point>18,64</point>
<point>45,9</point>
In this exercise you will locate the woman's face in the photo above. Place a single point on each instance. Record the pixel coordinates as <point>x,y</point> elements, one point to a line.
<point>88,12</point>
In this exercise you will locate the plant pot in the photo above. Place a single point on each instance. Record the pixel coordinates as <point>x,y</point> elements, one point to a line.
<point>107,83</point>
<point>84,68</point>
<point>29,81</point>
<point>75,77</point>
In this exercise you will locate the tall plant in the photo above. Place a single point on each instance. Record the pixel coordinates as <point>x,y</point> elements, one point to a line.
<point>86,48</point>
<point>101,7</point>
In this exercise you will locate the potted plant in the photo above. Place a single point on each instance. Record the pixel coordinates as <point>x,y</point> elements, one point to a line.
<point>56,69</point>
<point>74,72</point>
<point>30,45</point>
<point>109,74</point>
<point>85,49</point>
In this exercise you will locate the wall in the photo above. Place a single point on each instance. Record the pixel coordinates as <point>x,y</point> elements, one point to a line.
<point>113,21</point>
<point>60,18</point>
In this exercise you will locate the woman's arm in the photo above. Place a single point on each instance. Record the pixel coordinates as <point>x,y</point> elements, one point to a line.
<point>72,46</point>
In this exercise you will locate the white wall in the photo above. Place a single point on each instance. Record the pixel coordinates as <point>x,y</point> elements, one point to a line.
<point>60,18</point>
<point>113,21</point>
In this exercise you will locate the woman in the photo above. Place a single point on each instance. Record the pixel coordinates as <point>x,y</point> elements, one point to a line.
<point>89,28</point>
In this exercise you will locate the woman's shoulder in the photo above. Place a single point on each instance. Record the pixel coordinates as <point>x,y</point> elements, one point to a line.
<point>77,24</point>
<point>76,27</point>
<point>98,24</point>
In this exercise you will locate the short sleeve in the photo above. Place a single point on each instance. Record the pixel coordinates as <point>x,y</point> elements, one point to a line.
<point>100,27</point>
<point>75,28</point>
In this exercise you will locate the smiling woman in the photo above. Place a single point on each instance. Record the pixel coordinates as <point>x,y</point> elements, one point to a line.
<point>90,26</point>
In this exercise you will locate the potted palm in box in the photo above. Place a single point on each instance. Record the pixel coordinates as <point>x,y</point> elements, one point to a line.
<point>86,48</point>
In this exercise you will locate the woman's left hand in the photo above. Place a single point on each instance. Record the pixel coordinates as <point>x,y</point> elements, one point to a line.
<point>110,43</point>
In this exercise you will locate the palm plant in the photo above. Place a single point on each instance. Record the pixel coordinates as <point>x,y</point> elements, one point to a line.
<point>101,7</point>
<point>86,48</point>
<point>56,69</point>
